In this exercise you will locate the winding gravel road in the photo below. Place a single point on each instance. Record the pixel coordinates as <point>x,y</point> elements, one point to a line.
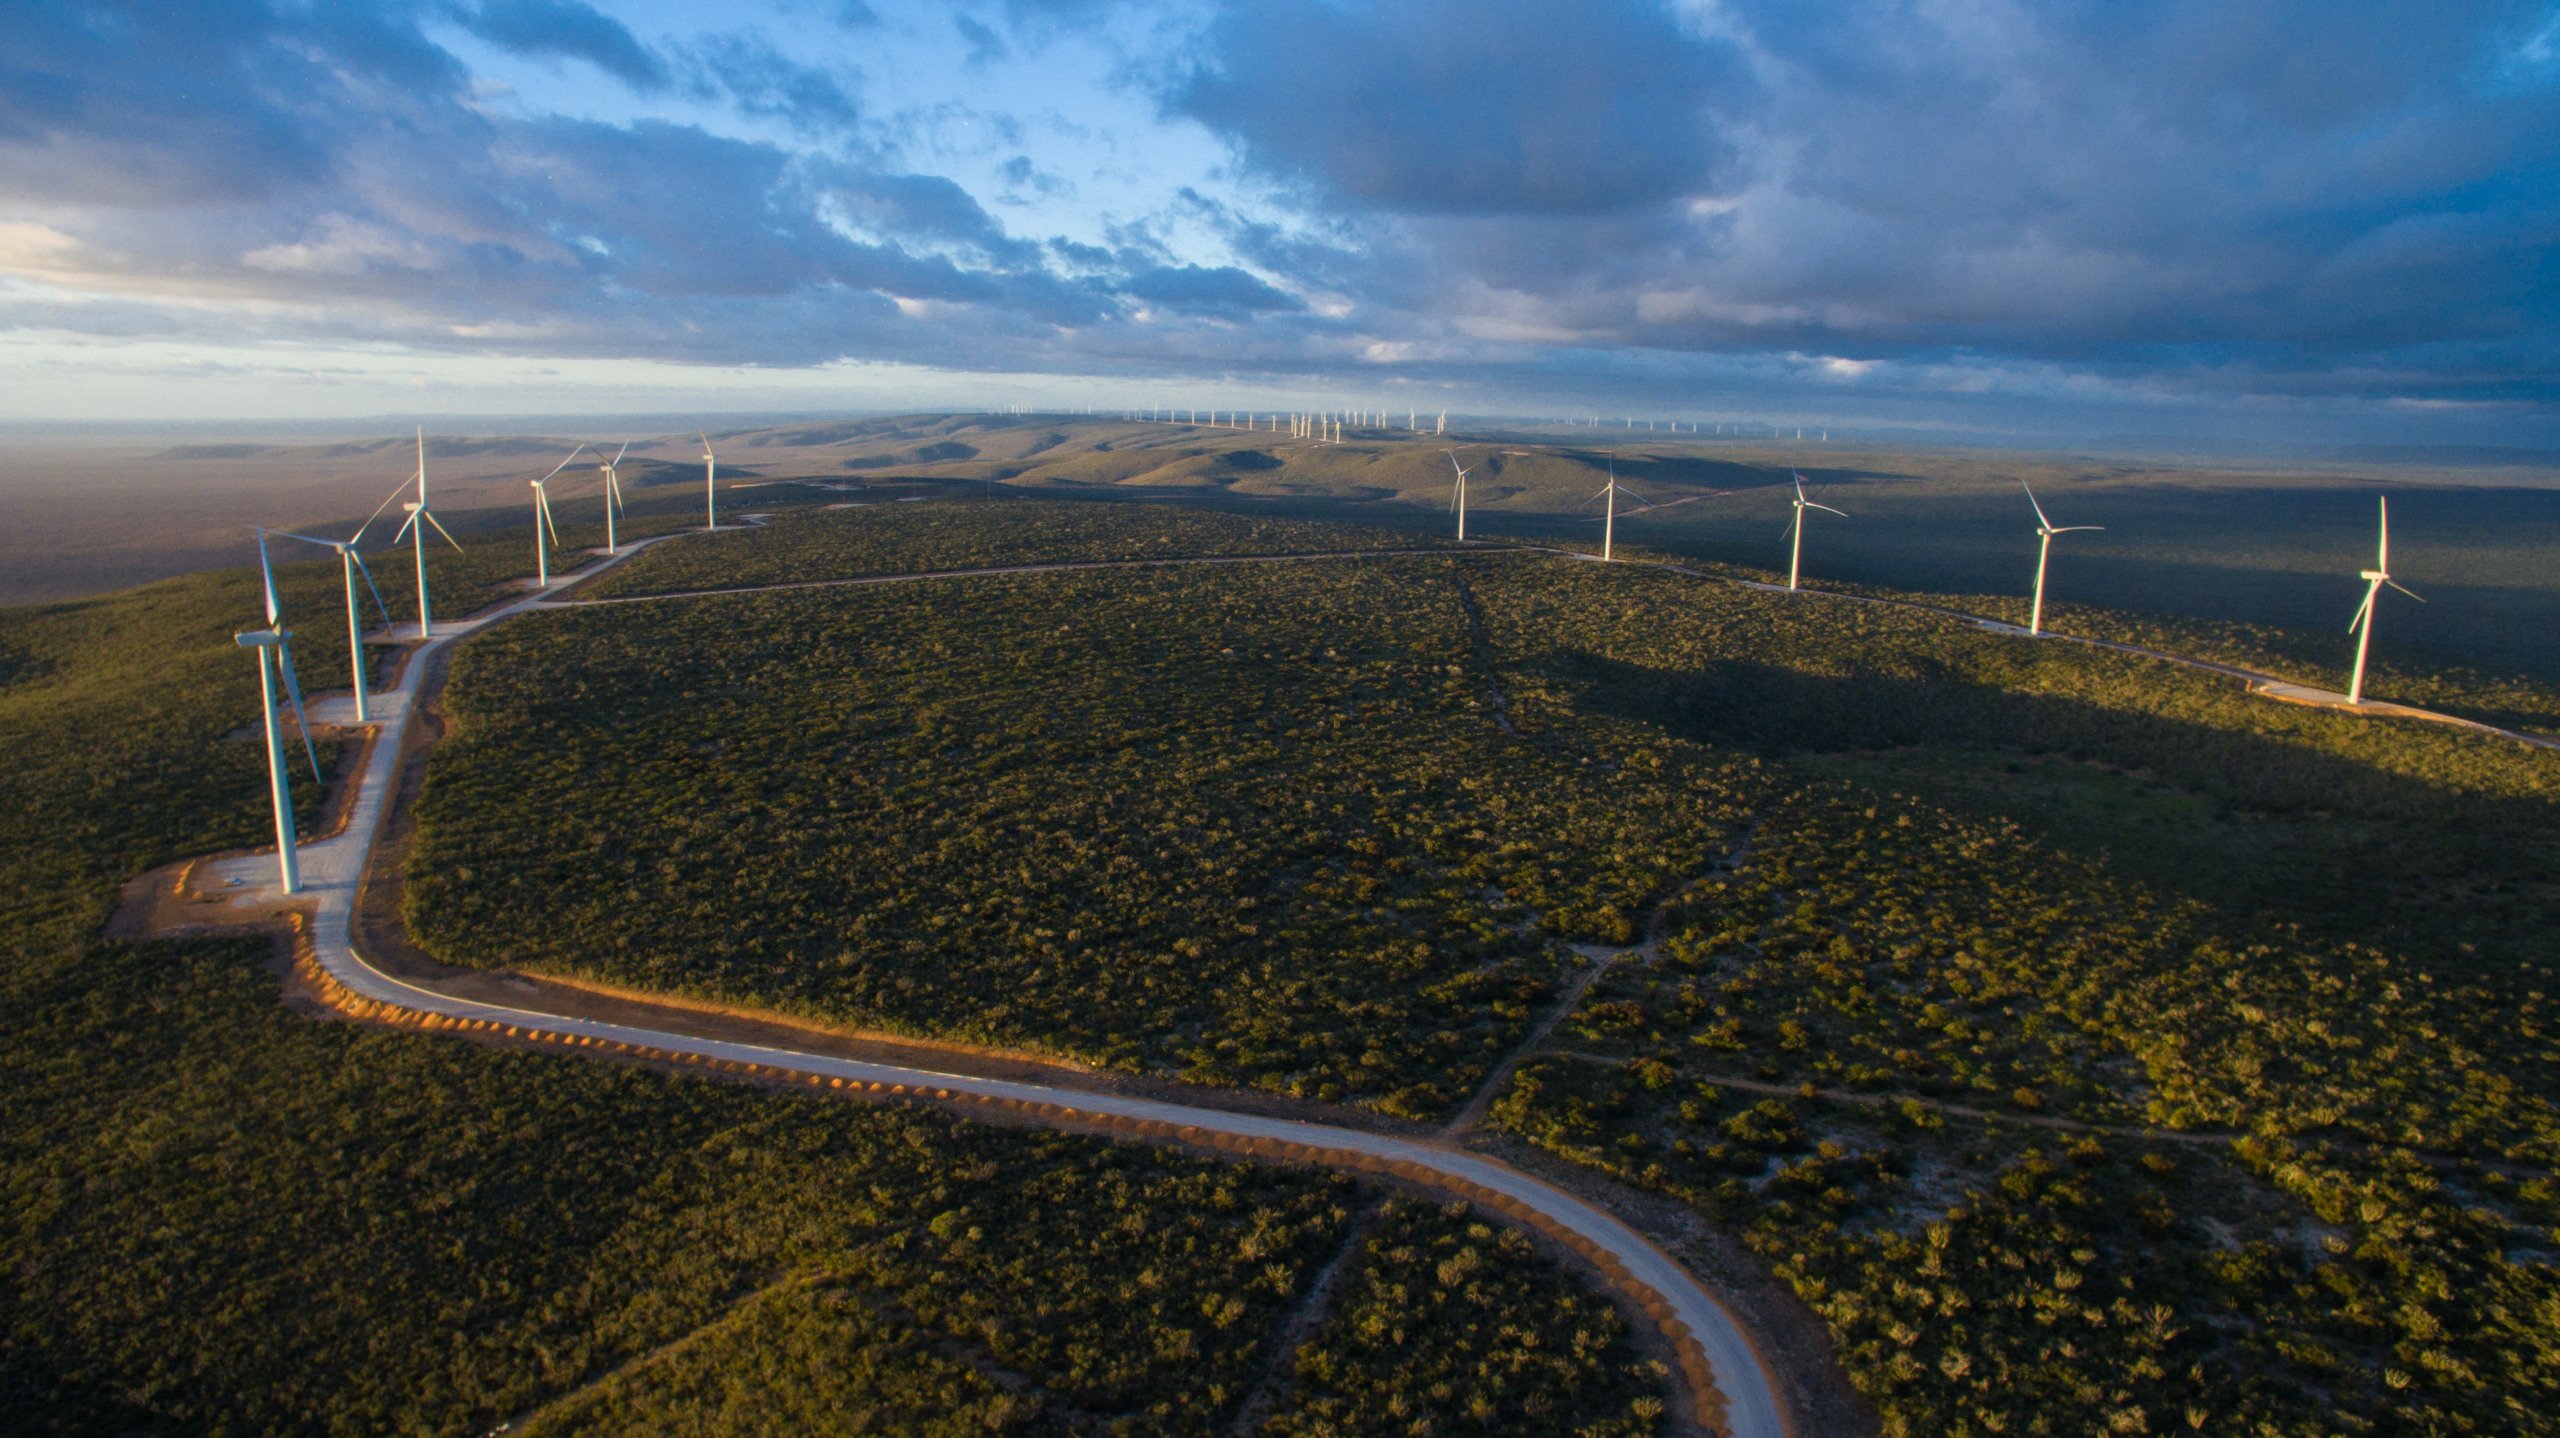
<point>1726,1374</point>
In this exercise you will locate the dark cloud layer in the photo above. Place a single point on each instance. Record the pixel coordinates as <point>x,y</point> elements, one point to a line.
<point>1469,106</point>
<point>2354,202</point>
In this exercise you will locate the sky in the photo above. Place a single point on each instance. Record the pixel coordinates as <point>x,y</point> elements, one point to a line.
<point>2275,220</point>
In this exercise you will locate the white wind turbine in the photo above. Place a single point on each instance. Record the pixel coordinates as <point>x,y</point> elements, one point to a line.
<point>543,521</point>
<point>1609,516</point>
<point>1458,495</point>
<point>2374,580</point>
<point>1795,551</point>
<point>613,496</point>
<point>275,661</point>
<point>351,564</point>
<point>415,527</point>
<point>710,486</point>
<point>2045,531</point>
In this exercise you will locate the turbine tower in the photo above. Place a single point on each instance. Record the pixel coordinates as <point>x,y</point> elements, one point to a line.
<point>1458,496</point>
<point>542,521</point>
<point>613,496</point>
<point>274,645</point>
<point>2045,531</point>
<point>1795,552</point>
<point>2374,580</point>
<point>710,486</point>
<point>415,527</point>
<point>1609,516</point>
<point>352,564</point>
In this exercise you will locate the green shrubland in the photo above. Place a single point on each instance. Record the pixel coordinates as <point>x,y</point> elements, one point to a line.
<point>1253,824</point>
<point>887,536</point>
<point>228,1218</point>
<point>2010,884</point>
<point>1449,1324</point>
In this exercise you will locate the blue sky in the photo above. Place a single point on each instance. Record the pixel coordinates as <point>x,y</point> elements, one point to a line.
<point>2299,221</point>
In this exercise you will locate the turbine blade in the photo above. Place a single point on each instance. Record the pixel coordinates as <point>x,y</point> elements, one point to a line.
<point>293,690</point>
<point>267,576</point>
<point>429,517</point>
<point>385,609</point>
<point>305,538</point>
<point>2396,584</point>
<point>2039,509</point>
<point>2080,529</point>
<point>564,464</point>
<point>2364,611</point>
<point>1827,509</point>
<point>377,510</point>
<point>2382,552</point>
<point>404,527</point>
<point>619,453</point>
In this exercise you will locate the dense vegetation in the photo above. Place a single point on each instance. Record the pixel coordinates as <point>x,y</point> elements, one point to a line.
<point>1252,824</point>
<point>2010,885</point>
<point>2088,1042</point>
<point>225,1218</point>
<point>890,537</point>
<point>2320,660</point>
<point>1450,1325</point>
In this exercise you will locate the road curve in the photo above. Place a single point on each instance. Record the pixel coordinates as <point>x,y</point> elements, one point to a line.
<point>1733,1387</point>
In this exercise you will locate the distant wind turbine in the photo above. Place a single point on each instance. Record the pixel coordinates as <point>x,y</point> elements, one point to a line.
<point>613,496</point>
<point>1609,515</point>
<point>1458,495</point>
<point>2045,531</point>
<point>351,564</point>
<point>1795,552</point>
<point>415,527</point>
<point>710,485</point>
<point>2374,581</point>
<point>274,645</point>
<point>543,521</point>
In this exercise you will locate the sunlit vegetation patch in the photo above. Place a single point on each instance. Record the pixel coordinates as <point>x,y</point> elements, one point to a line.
<point>2019,887</point>
<point>890,537</point>
<point>2320,660</point>
<point>1250,825</point>
<point>226,1217</point>
<point>1452,1325</point>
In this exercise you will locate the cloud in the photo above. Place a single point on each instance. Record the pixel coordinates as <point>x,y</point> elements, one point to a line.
<point>762,81</point>
<point>2252,195</point>
<point>565,30</point>
<point>1197,289</point>
<point>1869,202</point>
<point>1468,106</point>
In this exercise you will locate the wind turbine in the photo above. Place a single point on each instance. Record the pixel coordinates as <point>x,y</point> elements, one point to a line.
<point>1458,496</point>
<point>416,528</point>
<point>1795,553</point>
<point>613,495</point>
<point>710,486</point>
<point>2045,531</point>
<point>2374,580</point>
<point>352,564</point>
<point>275,658</point>
<point>542,520</point>
<point>1609,517</point>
